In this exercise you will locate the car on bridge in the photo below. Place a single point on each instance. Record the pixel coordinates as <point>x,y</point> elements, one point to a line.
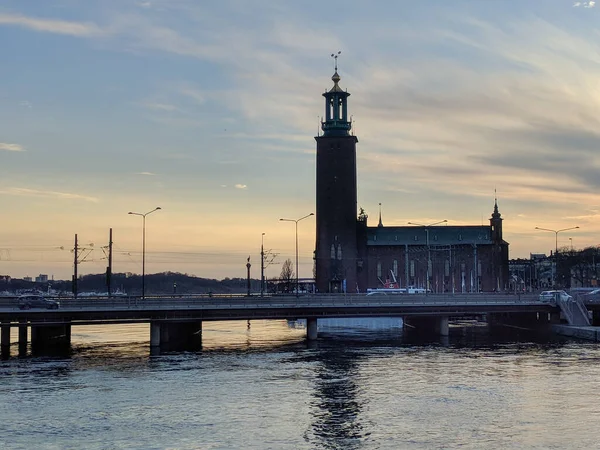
<point>552,296</point>
<point>37,301</point>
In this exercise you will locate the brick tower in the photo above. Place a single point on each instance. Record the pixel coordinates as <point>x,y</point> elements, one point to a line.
<point>336,245</point>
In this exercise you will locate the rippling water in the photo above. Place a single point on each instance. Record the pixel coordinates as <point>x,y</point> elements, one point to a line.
<point>264,387</point>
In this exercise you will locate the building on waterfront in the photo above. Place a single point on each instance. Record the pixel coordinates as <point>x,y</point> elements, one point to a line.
<point>351,256</point>
<point>41,278</point>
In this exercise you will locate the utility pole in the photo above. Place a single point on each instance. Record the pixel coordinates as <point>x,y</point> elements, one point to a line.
<point>109,268</point>
<point>262,265</point>
<point>75,258</point>
<point>248,265</point>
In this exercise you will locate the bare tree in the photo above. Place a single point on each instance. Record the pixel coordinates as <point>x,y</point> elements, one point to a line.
<point>287,275</point>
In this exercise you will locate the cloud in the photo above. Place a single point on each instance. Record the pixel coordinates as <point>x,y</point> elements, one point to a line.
<point>589,4</point>
<point>52,25</point>
<point>46,194</point>
<point>160,106</point>
<point>11,147</point>
<point>241,186</point>
<point>145,173</point>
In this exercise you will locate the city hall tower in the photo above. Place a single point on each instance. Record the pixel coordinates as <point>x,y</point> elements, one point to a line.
<point>336,213</point>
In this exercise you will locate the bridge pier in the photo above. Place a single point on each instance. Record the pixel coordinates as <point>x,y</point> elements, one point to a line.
<point>176,335</point>
<point>311,329</point>
<point>5,339</point>
<point>523,320</point>
<point>22,337</point>
<point>428,325</point>
<point>50,337</point>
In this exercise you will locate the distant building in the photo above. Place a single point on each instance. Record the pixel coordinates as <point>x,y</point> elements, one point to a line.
<point>41,278</point>
<point>5,278</point>
<point>350,256</point>
<point>27,279</point>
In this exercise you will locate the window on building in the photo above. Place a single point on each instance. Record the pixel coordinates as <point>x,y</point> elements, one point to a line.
<point>395,268</point>
<point>339,252</point>
<point>447,268</point>
<point>378,270</point>
<point>332,255</point>
<point>412,268</point>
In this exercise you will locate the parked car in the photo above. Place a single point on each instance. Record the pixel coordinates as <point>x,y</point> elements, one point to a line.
<point>37,301</point>
<point>552,296</point>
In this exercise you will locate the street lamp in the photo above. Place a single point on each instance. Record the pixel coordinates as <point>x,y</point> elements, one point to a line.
<point>428,248</point>
<point>262,264</point>
<point>144,245</point>
<point>554,275</point>
<point>296,222</point>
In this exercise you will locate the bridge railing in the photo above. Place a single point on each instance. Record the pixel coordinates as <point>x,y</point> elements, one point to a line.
<point>303,300</point>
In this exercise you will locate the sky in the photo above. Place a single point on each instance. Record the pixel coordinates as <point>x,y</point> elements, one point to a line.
<point>209,110</point>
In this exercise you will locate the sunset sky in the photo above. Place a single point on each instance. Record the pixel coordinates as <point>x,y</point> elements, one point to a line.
<point>209,110</point>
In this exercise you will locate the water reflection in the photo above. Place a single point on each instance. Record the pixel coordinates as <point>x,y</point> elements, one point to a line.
<point>337,405</point>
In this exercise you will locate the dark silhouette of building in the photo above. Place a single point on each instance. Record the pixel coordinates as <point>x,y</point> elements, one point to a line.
<point>350,256</point>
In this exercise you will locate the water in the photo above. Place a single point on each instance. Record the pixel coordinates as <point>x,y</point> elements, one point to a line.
<point>265,388</point>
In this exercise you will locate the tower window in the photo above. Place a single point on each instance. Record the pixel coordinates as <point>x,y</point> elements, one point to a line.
<point>332,253</point>
<point>339,252</point>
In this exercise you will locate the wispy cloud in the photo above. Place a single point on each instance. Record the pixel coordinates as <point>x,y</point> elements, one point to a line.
<point>47,194</point>
<point>241,186</point>
<point>53,25</point>
<point>589,4</point>
<point>155,106</point>
<point>146,174</point>
<point>11,147</point>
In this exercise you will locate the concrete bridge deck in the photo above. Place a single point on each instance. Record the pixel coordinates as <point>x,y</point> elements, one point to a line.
<point>180,317</point>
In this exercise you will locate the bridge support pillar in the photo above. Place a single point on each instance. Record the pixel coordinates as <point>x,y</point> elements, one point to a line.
<point>22,337</point>
<point>441,326</point>
<point>154,334</point>
<point>5,339</point>
<point>50,338</point>
<point>427,325</point>
<point>555,317</point>
<point>311,329</point>
<point>176,335</point>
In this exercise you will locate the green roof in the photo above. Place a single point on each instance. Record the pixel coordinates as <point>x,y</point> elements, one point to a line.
<point>438,235</point>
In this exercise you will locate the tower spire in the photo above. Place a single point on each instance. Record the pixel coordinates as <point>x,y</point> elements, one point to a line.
<point>380,222</point>
<point>336,107</point>
<point>496,213</point>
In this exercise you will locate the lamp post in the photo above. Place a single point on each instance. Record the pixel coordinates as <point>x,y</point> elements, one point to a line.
<point>144,245</point>
<point>555,267</point>
<point>296,222</point>
<point>262,264</point>
<point>428,248</point>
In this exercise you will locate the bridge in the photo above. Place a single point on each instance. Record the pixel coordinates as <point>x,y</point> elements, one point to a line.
<point>177,320</point>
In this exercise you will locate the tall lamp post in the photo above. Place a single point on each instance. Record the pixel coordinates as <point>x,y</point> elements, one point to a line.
<point>428,248</point>
<point>296,222</point>
<point>555,271</point>
<point>144,245</point>
<point>262,264</point>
